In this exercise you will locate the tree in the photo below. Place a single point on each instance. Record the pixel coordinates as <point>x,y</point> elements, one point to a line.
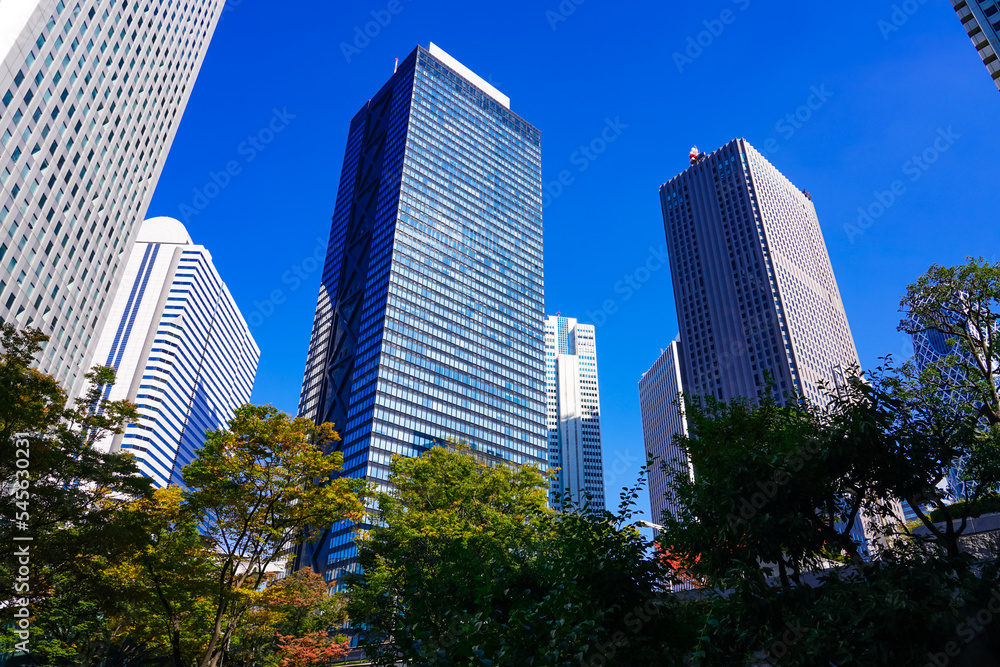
<point>959,308</point>
<point>466,566</point>
<point>253,490</point>
<point>962,304</point>
<point>446,544</point>
<point>289,624</point>
<point>64,496</point>
<point>766,528</point>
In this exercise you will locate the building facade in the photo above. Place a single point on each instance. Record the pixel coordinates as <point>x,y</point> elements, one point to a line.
<point>430,321</point>
<point>92,92</point>
<point>662,421</point>
<point>757,301</point>
<point>981,19</point>
<point>180,348</point>
<point>574,413</point>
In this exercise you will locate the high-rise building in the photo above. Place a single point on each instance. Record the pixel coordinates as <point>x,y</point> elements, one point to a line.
<point>181,350</point>
<point>430,319</point>
<point>574,412</point>
<point>92,92</point>
<point>757,301</point>
<point>662,421</point>
<point>981,19</point>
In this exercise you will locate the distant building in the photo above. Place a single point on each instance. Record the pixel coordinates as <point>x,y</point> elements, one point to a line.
<point>91,95</point>
<point>180,348</point>
<point>662,421</point>
<point>981,19</point>
<point>574,412</point>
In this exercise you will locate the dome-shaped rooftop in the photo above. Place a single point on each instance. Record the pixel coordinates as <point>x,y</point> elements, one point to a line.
<point>163,230</point>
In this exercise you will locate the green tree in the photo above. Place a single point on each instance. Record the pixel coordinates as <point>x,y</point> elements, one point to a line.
<point>962,303</point>
<point>765,530</point>
<point>254,491</point>
<point>466,566</point>
<point>65,496</point>
<point>961,306</point>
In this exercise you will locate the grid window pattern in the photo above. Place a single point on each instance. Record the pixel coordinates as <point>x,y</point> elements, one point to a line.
<point>981,19</point>
<point>573,404</point>
<point>92,93</point>
<point>180,348</point>
<point>755,291</point>
<point>429,324</point>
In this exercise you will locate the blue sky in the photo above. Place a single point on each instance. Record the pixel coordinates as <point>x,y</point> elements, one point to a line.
<point>888,82</point>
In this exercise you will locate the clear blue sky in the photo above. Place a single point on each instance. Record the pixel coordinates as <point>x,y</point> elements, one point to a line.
<point>888,94</point>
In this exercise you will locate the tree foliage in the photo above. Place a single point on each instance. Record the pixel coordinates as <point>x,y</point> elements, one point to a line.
<point>466,566</point>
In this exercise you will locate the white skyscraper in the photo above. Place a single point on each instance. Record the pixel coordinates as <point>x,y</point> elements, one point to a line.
<point>91,93</point>
<point>181,349</point>
<point>574,411</point>
<point>662,421</point>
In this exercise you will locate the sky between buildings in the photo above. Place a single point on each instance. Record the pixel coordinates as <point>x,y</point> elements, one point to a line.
<point>862,104</point>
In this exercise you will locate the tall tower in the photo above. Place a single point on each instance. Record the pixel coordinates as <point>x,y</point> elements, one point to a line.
<point>92,92</point>
<point>663,420</point>
<point>753,284</point>
<point>181,350</point>
<point>981,19</point>
<point>574,412</point>
<point>429,324</point>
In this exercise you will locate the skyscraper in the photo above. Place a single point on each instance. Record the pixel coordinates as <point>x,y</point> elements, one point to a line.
<point>430,320</point>
<point>662,421</point>
<point>92,92</point>
<point>180,347</point>
<point>753,284</point>
<point>574,412</point>
<point>981,19</point>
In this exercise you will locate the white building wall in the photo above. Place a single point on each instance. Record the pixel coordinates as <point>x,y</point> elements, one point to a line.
<point>91,93</point>
<point>181,349</point>
<point>574,411</point>
<point>662,421</point>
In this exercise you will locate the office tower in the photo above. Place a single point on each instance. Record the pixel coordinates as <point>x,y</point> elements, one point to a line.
<point>981,19</point>
<point>92,93</point>
<point>663,420</point>
<point>181,350</point>
<point>574,412</point>
<point>429,324</point>
<point>754,289</point>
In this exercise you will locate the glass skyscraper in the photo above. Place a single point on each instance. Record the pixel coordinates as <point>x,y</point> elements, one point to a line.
<point>92,93</point>
<point>430,321</point>
<point>981,19</point>
<point>574,412</point>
